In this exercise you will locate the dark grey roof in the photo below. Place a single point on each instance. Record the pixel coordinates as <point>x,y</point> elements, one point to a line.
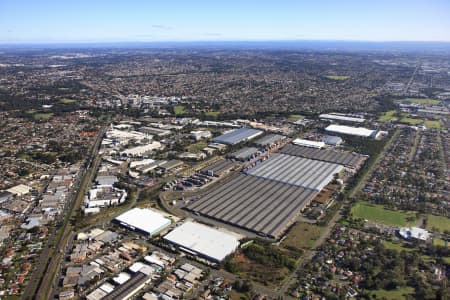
<point>298,171</point>
<point>237,136</point>
<point>255,204</point>
<point>269,139</point>
<point>244,152</point>
<point>339,157</point>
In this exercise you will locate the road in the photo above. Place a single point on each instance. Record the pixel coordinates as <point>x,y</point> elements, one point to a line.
<point>42,279</point>
<point>309,254</point>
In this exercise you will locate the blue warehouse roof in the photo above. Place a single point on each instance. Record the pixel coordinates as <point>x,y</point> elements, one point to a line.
<point>236,136</point>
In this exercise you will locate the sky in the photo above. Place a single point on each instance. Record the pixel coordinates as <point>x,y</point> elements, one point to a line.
<point>55,21</point>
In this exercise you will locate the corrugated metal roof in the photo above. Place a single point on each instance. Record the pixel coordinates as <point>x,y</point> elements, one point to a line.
<point>204,240</point>
<point>238,135</point>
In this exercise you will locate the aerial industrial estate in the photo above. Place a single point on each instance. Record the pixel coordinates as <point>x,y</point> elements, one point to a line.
<point>224,174</point>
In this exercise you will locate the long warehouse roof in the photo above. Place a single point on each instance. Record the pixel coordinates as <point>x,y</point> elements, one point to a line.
<point>345,158</point>
<point>237,136</point>
<point>146,220</point>
<point>358,131</point>
<point>341,118</point>
<point>204,240</point>
<point>256,204</point>
<point>298,171</point>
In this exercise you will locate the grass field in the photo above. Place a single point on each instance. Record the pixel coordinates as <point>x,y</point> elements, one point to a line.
<point>302,235</point>
<point>337,77</point>
<point>439,242</point>
<point>395,246</point>
<point>394,294</point>
<point>441,223</point>
<point>42,116</point>
<point>432,124</point>
<point>296,117</point>
<point>420,100</point>
<point>67,101</point>
<point>212,113</point>
<point>179,109</point>
<point>388,116</point>
<point>197,147</point>
<point>378,214</point>
<point>411,121</point>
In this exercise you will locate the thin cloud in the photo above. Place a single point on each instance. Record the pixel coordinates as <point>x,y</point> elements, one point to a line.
<point>164,27</point>
<point>213,33</point>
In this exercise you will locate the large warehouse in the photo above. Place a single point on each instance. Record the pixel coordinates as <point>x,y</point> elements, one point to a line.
<point>348,159</point>
<point>259,205</point>
<point>204,241</point>
<point>349,130</point>
<point>143,220</point>
<point>298,171</point>
<point>237,136</point>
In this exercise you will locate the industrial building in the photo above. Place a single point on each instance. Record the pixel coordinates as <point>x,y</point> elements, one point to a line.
<point>200,134</point>
<point>237,136</point>
<point>269,140</point>
<point>143,220</point>
<point>19,190</point>
<point>341,117</point>
<point>308,143</point>
<point>219,167</point>
<point>349,130</point>
<point>244,153</point>
<point>332,140</point>
<point>414,233</point>
<point>348,159</point>
<point>298,171</point>
<point>259,205</point>
<point>141,151</point>
<point>204,241</point>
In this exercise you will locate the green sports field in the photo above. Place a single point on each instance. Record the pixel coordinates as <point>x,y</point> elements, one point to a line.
<point>420,100</point>
<point>337,77</point>
<point>379,214</point>
<point>441,223</point>
<point>179,109</point>
<point>388,116</point>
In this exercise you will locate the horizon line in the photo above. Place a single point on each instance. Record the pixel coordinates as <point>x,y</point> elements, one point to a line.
<point>62,42</point>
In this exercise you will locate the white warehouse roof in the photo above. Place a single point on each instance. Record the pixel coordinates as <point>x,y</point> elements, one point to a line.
<point>414,233</point>
<point>144,220</point>
<point>341,118</point>
<point>358,131</point>
<point>308,143</point>
<point>203,240</point>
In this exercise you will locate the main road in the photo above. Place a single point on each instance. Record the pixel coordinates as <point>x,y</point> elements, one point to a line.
<point>41,282</point>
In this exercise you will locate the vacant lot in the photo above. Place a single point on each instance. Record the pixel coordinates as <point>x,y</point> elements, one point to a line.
<point>197,147</point>
<point>42,116</point>
<point>388,116</point>
<point>212,114</point>
<point>296,117</point>
<point>438,222</point>
<point>337,77</point>
<point>420,100</point>
<point>302,236</point>
<point>265,264</point>
<point>398,246</point>
<point>432,124</point>
<point>439,242</point>
<point>379,214</point>
<point>179,109</point>
<point>67,101</point>
<point>411,121</point>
